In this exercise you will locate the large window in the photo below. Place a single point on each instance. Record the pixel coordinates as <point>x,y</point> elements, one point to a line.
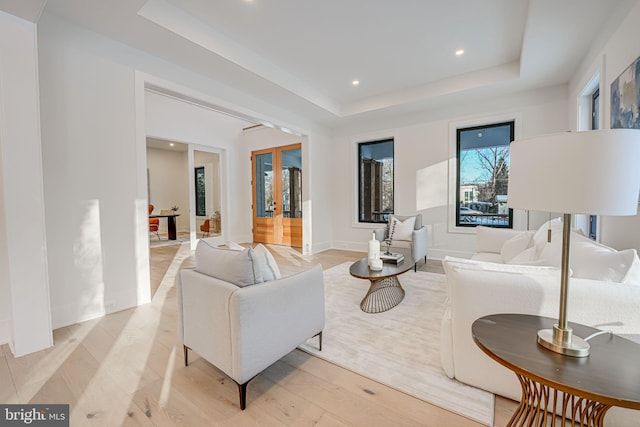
<point>483,175</point>
<point>375,182</point>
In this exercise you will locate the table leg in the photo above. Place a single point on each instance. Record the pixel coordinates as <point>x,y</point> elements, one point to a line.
<point>171,227</point>
<point>383,295</point>
<point>541,405</point>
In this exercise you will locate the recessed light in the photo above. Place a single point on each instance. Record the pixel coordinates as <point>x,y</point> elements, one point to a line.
<point>459,52</point>
<point>171,144</point>
<point>355,82</point>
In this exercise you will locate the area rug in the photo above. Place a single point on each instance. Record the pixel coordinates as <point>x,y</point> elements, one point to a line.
<point>399,348</point>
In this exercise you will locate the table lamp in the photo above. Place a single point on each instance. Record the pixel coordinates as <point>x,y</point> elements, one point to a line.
<point>593,173</point>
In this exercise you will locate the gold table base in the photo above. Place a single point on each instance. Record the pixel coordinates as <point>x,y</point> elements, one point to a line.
<point>540,404</point>
<point>383,295</point>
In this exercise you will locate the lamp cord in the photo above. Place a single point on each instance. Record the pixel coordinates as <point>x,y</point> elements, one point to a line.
<point>595,334</point>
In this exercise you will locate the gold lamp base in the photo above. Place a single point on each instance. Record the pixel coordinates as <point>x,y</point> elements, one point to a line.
<point>562,341</point>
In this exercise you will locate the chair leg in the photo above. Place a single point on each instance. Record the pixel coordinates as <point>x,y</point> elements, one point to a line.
<point>319,335</point>
<point>186,355</point>
<point>242,391</point>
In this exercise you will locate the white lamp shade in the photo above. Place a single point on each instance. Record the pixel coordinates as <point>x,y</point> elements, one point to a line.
<point>591,172</point>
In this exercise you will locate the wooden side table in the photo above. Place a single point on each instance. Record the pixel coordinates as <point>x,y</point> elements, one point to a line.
<point>581,389</point>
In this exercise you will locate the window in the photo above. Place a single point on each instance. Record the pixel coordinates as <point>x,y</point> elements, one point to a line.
<point>201,208</point>
<point>595,119</point>
<point>375,181</point>
<point>483,175</point>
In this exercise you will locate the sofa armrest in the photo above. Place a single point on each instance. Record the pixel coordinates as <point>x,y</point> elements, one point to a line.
<point>420,239</point>
<point>271,319</point>
<point>478,289</point>
<point>203,320</point>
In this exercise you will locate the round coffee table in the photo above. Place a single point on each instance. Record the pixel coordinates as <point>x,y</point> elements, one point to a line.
<point>385,291</point>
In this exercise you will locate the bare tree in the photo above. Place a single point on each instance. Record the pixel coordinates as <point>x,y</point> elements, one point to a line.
<point>495,170</point>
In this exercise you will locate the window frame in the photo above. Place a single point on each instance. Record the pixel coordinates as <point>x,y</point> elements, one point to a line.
<point>358,204</point>
<point>519,216</point>
<point>199,207</point>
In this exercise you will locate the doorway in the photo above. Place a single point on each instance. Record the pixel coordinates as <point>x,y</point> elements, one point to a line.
<point>277,195</point>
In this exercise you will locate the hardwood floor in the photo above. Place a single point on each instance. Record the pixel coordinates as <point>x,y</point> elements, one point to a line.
<point>127,369</point>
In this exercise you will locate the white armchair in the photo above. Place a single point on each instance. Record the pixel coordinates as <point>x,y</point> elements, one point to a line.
<point>243,330</point>
<point>417,245</point>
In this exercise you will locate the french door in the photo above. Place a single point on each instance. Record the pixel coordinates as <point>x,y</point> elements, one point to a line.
<point>277,195</point>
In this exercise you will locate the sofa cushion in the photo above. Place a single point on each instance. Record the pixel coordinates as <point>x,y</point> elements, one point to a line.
<point>515,246</point>
<point>240,267</point>
<point>402,230</point>
<point>270,269</point>
<point>591,260</point>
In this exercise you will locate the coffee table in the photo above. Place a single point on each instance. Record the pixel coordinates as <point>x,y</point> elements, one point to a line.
<point>589,385</point>
<point>385,291</point>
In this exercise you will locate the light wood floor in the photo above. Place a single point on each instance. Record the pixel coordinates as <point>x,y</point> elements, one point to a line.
<point>127,369</point>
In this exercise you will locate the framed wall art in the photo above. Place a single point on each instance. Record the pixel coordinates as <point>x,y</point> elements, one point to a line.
<point>625,98</point>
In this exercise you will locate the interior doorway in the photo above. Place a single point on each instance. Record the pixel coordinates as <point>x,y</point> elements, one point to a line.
<point>277,195</point>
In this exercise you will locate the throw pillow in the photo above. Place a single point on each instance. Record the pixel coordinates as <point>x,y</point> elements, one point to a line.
<point>633,275</point>
<point>234,246</point>
<point>403,230</point>
<point>269,266</point>
<point>241,268</point>
<point>514,246</point>
<point>591,260</point>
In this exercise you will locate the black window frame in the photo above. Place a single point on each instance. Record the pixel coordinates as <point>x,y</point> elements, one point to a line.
<point>511,124</point>
<point>383,217</point>
<point>200,191</point>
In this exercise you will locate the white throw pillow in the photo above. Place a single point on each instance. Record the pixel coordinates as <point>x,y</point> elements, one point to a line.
<point>515,246</point>
<point>241,268</point>
<point>633,275</point>
<point>526,257</point>
<point>403,230</point>
<point>234,246</point>
<point>591,260</point>
<point>270,270</point>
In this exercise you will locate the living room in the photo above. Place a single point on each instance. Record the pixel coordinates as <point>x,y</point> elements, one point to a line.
<point>86,105</point>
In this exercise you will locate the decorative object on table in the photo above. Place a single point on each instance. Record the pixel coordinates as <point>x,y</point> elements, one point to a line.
<point>166,212</point>
<point>625,98</point>
<point>392,258</point>
<point>175,209</point>
<point>388,234</point>
<point>375,263</point>
<point>545,176</point>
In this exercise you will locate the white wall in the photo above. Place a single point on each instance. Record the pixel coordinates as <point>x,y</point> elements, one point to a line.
<point>25,319</point>
<point>169,185</point>
<point>424,153</point>
<point>619,51</point>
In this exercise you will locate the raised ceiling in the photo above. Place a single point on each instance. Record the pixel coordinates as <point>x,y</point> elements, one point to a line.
<point>302,56</point>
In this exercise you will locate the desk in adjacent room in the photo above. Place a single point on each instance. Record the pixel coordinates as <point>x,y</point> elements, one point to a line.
<point>171,224</point>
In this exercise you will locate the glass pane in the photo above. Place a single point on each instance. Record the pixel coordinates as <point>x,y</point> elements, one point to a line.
<point>483,161</point>
<point>264,185</point>
<point>201,207</point>
<point>375,181</point>
<point>292,183</point>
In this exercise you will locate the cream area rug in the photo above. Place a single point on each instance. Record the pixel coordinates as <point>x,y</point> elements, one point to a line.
<point>400,347</point>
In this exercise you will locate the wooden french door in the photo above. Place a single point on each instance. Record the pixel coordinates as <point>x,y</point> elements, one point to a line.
<point>277,195</point>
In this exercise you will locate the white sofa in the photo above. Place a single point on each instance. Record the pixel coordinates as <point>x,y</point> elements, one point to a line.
<point>477,288</point>
<point>239,314</point>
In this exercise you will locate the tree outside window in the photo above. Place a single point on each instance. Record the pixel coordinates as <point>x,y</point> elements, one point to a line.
<point>483,175</point>
<point>375,181</point>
